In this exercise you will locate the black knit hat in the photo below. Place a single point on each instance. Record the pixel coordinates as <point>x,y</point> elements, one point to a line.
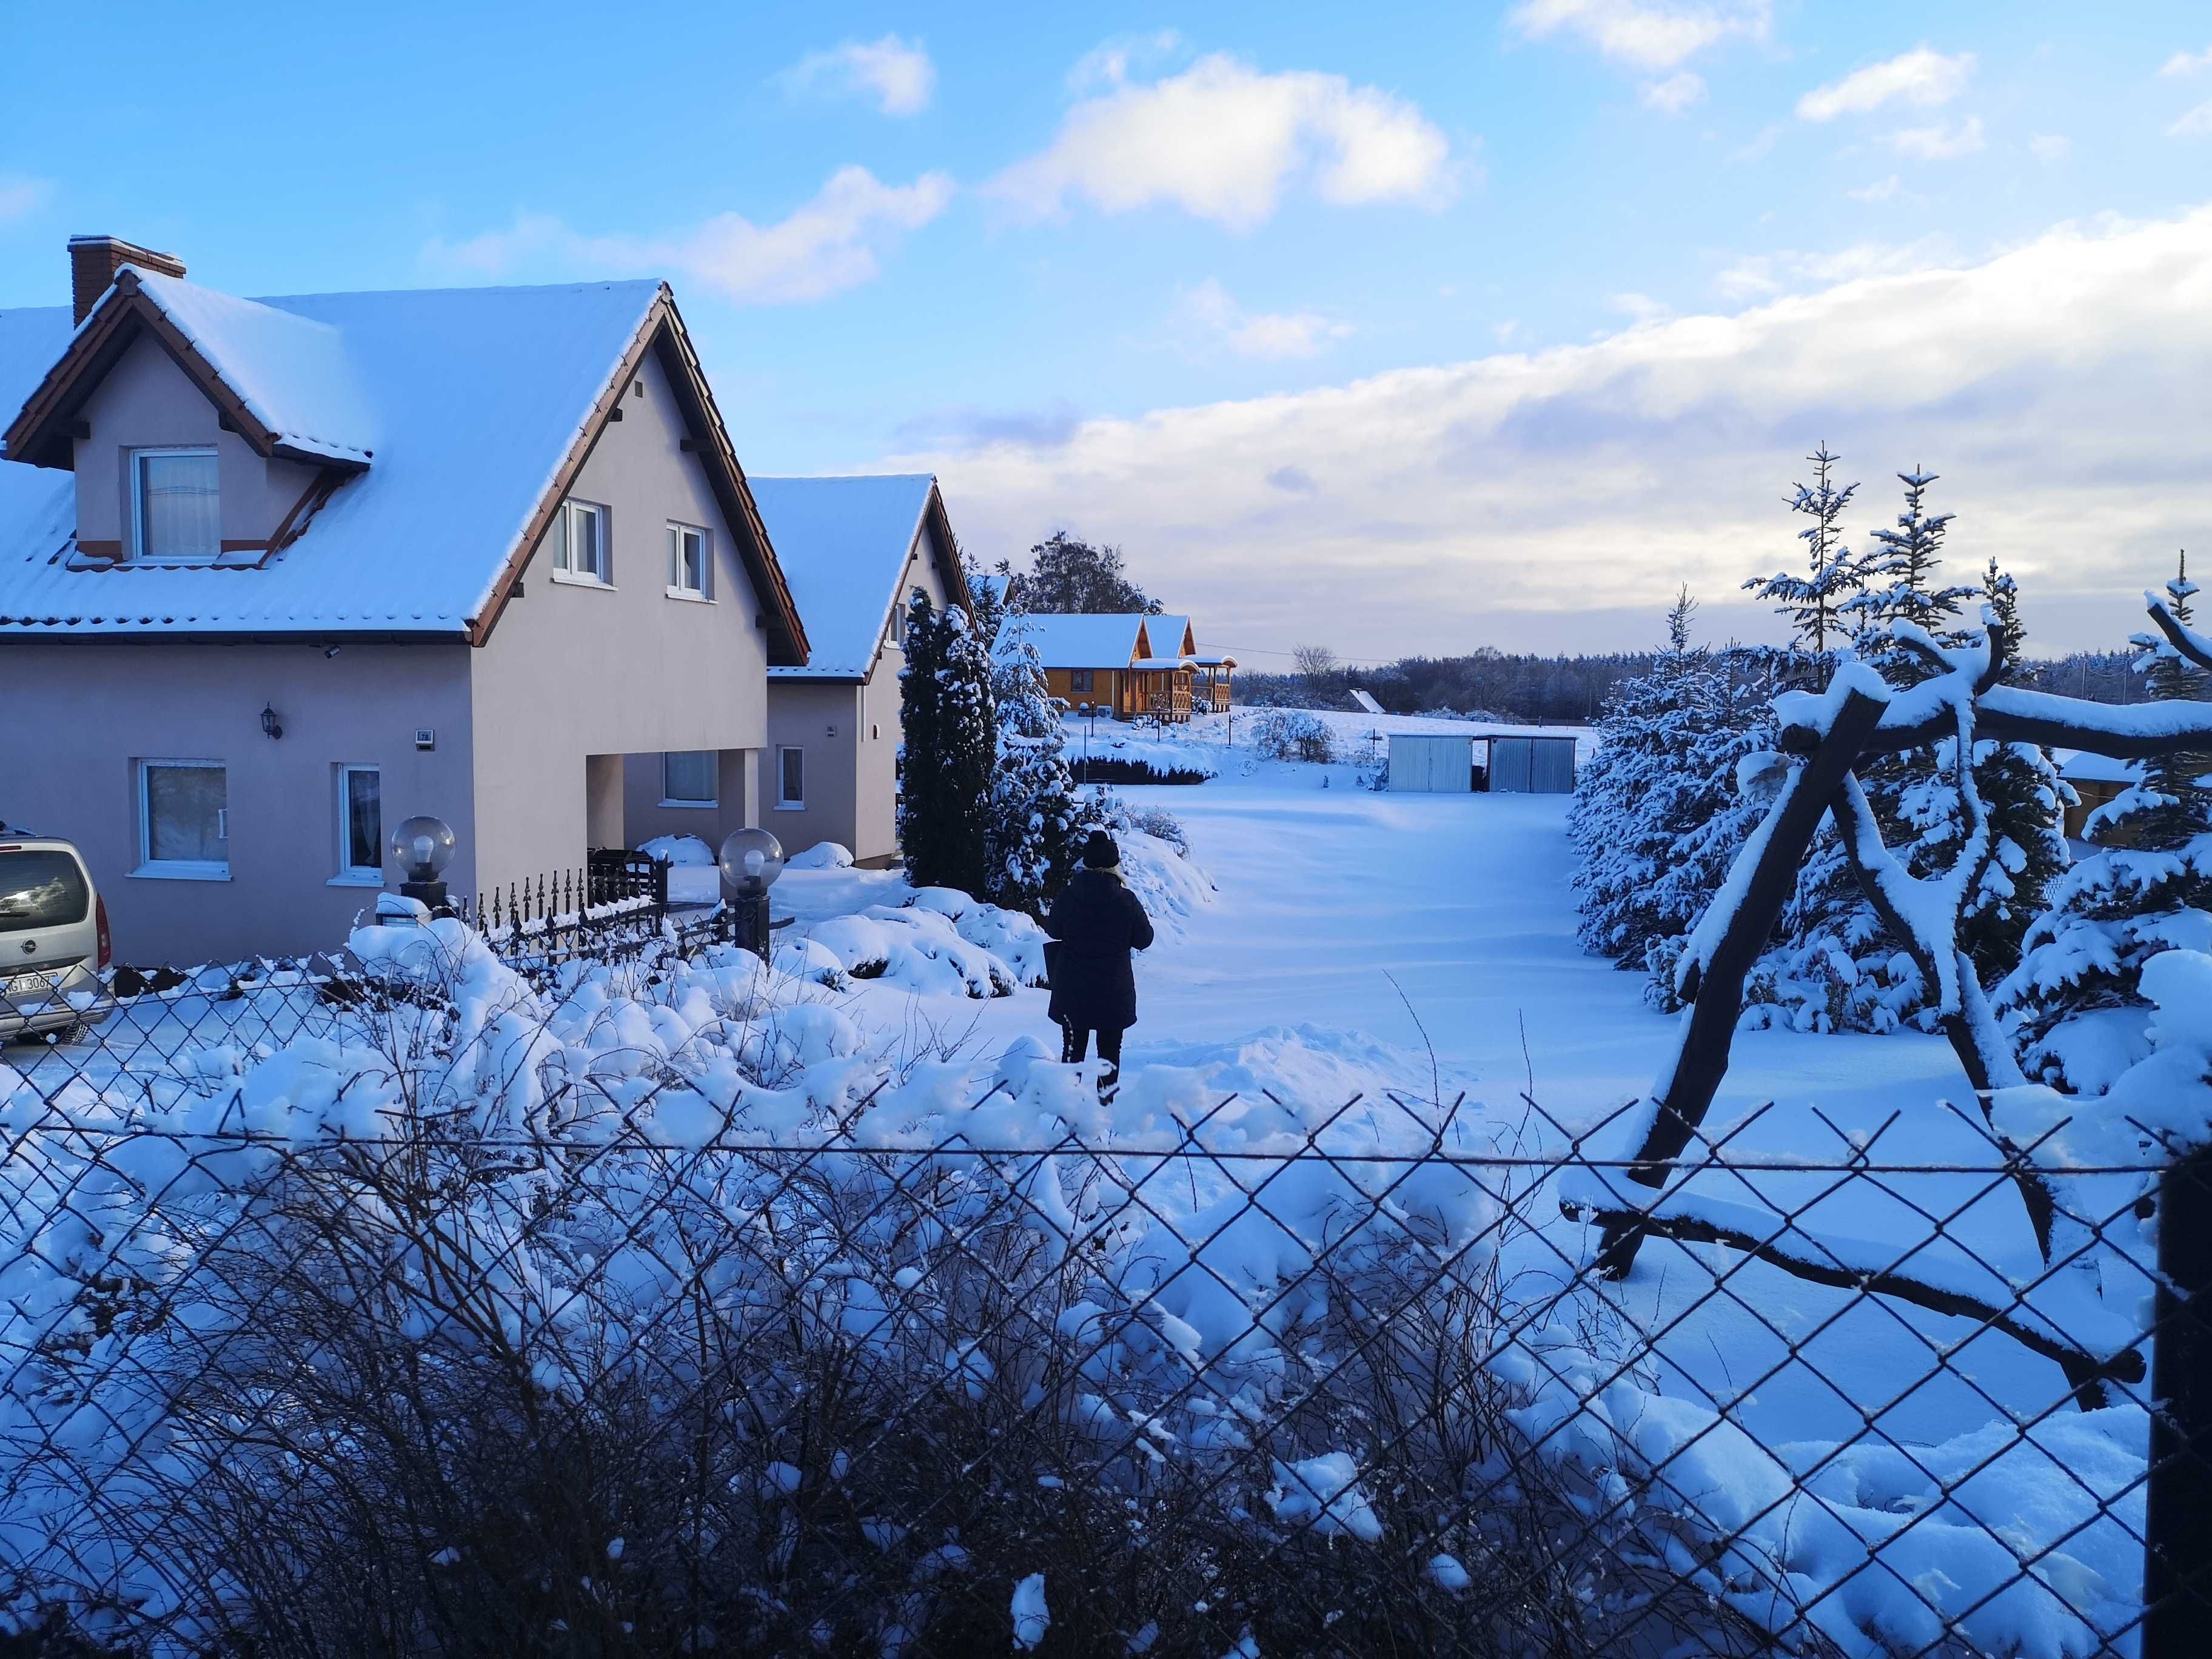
<point>1099,852</point>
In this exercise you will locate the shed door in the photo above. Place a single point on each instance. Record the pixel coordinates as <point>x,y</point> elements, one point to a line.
<point>1511,761</point>
<point>1551,770</point>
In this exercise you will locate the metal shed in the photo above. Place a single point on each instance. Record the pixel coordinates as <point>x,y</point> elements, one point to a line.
<point>1531,766</point>
<point>1423,764</point>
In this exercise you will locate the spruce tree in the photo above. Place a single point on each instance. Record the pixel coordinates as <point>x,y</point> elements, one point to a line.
<point>2026,800</point>
<point>1035,812</point>
<point>944,694</point>
<point>1836,967</point>
<point>2074,1005</point>
<point>1657,817</point>
<point>1811,601</point>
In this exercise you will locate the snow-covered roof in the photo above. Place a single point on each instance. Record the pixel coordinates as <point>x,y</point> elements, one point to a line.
<point>1079,640</point>
<point>1167,635</point>
<point>2086,766</point>
<point>843,544</point>
<point>472,400</point>
<point>293,373</point>
<point>1162,663</point>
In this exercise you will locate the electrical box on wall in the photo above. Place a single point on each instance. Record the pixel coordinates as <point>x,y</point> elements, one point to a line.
<point>425,738</point>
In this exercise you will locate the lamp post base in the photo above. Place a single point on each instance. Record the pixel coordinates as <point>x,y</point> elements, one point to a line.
<point>749,922</point>
<point>431,893</point>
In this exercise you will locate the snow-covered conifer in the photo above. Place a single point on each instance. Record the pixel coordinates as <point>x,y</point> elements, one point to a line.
<point>2074,1004</point>
<point>950,742</point>
<point>1035,810</point>
<point>1657,817</point>
<point>1811,600</point>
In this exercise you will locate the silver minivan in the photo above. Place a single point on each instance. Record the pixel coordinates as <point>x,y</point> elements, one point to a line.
<point>53,937</point>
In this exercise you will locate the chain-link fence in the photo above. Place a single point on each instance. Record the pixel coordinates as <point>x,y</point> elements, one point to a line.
<point>321,1333</point>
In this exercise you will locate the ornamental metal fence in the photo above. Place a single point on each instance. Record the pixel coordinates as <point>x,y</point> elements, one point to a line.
<point>326,1327</point>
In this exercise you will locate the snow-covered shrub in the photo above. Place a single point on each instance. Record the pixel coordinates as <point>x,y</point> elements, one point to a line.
<point>1657,816</point>
<point>1292,734</point>
<point>1161,824</point>
<point>682,851</point>
<point>823,855</point>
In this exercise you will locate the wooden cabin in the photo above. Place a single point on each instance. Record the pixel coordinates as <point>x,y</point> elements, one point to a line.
<point>1130,667</point>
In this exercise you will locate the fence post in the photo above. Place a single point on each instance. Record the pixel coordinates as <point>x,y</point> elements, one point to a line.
<point>2178,1519</point>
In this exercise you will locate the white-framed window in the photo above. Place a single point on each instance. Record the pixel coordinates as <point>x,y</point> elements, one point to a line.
<point>581,549</point>
<point>184,819</point>
<point>361,824</point>
<point>790,779</point>
<point>176,507</point>
<point>687,777</point>
<point>691,562</point>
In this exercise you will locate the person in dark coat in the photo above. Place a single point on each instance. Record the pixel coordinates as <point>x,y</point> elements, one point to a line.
<point>1098,922</point>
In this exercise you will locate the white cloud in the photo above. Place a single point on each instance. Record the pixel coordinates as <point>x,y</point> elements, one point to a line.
<point>1650,36</point>
<point>2195,124</point>
<point>1675,94</point>
<point>897,74</point>
<point>1940,143</point>
<point>1764,275</point>
<point>826,246</point>
<point>1880,190</point>
<point>1920,76</point>
<point>2050,146</point>
<point>1209,310</point>
<point>1640,307</point>
<point>19,194</point>
<point>2058,386</point>
<point>2187,62</point>
<point>1223,141</point>
<point>1107,64</point>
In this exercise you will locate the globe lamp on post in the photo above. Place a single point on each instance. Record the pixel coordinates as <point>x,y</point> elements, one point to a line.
<point>424,847</point>
<point>750,861</point>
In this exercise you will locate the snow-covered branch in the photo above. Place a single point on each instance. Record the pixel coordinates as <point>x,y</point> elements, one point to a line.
<point>1869,1268</point>
<point>1728,942</point>
<point>2185,639</point>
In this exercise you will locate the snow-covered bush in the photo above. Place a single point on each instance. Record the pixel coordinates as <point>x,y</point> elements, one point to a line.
<point>1292,734</point>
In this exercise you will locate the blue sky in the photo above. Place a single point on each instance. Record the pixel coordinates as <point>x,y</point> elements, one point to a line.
<point>1395,328</point>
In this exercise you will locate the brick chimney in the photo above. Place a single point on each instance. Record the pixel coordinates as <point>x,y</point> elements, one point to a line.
<point>94,261</point>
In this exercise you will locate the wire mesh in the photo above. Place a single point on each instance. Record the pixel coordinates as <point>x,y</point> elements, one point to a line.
<point>378,1370</point>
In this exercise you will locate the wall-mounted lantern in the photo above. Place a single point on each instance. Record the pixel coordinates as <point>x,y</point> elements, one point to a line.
<point>270,728</point>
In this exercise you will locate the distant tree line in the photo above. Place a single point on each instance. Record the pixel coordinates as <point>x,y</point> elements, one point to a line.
<point>1525,689</point>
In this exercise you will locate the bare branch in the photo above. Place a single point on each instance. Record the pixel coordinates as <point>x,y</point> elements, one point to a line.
<point>2085,1371</point>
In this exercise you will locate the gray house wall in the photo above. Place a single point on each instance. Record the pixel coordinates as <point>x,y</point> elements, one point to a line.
<point>804,712</point>
<point>81,714</point>
<point>852,785</point>
<point>573,672</point>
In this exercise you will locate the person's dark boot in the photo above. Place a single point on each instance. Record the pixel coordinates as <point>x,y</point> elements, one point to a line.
<point>1109,1085</point>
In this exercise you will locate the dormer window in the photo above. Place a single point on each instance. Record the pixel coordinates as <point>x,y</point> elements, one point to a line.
<point>175,507</point>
